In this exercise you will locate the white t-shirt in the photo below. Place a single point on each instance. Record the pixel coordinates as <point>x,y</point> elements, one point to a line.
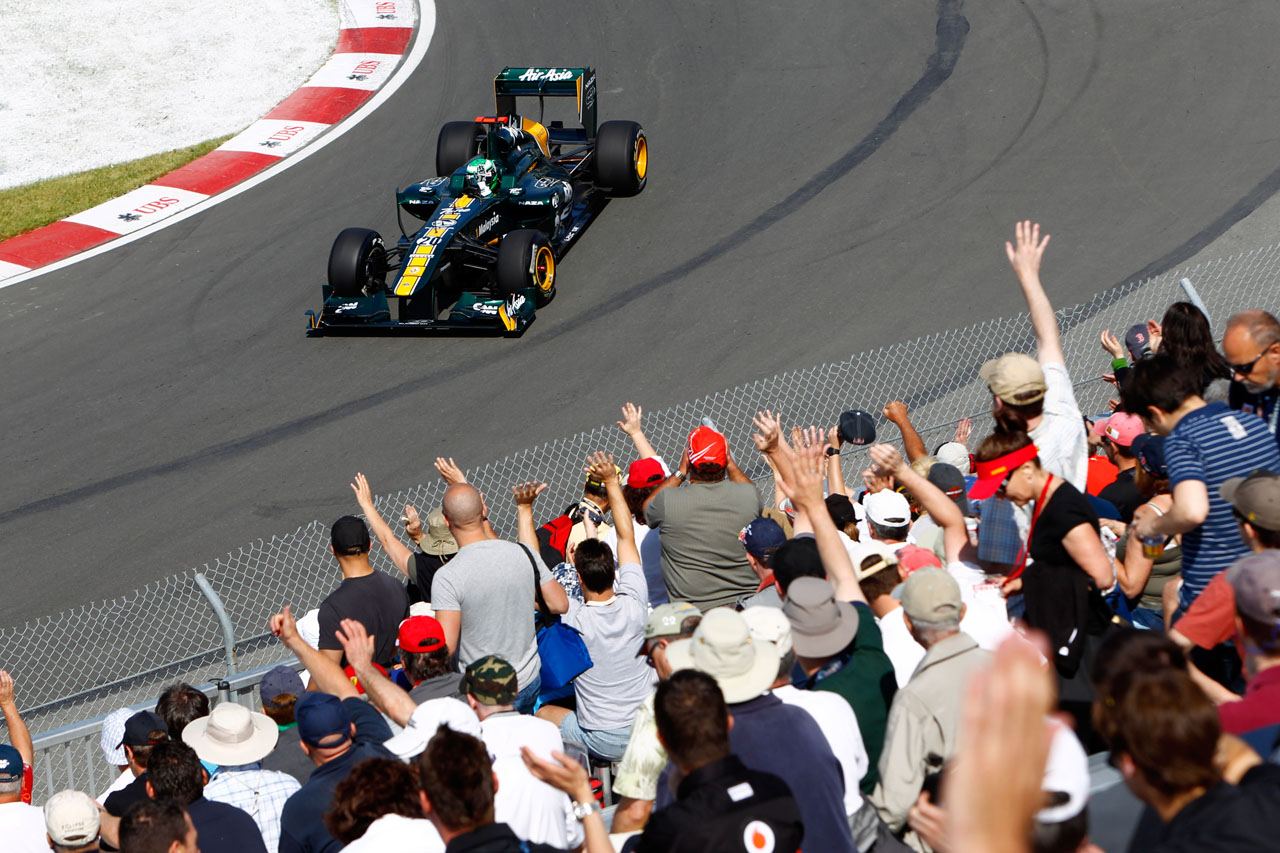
<point>840,726</point>
<point>398,833</point>
<point>121,781</point>
<point>1060,438</point>
<point>22,828</point>
<point>903,650</point>
<point>534,810</point>
<point>986,616</point>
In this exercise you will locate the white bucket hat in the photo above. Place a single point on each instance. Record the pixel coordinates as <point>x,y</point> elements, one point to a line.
<point>723,648</point>
<point>429,716</point>
<point>232,734</point>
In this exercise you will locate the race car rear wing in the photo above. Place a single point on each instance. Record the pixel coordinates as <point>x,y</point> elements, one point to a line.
<point>580,83</point>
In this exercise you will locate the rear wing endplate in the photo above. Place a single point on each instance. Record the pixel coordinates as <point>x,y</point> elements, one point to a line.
<point>580,83</point>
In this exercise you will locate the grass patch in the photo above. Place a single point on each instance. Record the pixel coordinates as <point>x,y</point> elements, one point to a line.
<point>26,208</point>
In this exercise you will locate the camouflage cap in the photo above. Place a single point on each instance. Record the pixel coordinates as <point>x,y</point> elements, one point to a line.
<point>491,680</point>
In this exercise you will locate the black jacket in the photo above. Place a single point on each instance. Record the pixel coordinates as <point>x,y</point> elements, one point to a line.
<point>720,807</point>
<point>1228,819</point>
<point>495,838</point>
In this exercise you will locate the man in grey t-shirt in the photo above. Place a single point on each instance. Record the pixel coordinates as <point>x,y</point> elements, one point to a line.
<point>611,619</point>
<point>484,596</point>
<point>702,560</point>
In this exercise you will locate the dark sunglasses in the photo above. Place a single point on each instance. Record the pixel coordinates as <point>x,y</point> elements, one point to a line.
<point>1246,369</point>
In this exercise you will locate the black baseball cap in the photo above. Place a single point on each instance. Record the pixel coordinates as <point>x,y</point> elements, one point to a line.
<point>349,536</point>
<point>138,729</point>
<point>856,427</point>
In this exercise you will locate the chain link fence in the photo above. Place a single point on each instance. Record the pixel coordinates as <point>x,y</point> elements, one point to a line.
<point>100,656</point>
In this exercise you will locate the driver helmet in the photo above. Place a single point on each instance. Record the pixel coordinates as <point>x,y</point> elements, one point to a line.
<point>482,176</point>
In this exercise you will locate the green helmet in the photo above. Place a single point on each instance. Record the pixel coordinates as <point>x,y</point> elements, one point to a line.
<point>482,176</point>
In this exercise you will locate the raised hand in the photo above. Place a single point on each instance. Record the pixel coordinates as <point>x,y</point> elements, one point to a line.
<point>963,430</point>
<point>876,480</point>
<point>1026,250</point>
<point>412,522</point>
<point>449,471</point>
<point>630,423</point>
<point>1155,335</point>
<point>526,493</point>
<point>887,458</point>
<point>284,626</point>
<point>6,688</point>
<point>804,485</point>
<point>357,643</point>
<point>768,434</point>
<point>895,412</point>
<point>1111,344</point>
<point>601,467</point>
<point>364,494</point>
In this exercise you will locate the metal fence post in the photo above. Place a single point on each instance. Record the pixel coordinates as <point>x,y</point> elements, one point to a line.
<point>1193,296</point>
<point>228,633</point>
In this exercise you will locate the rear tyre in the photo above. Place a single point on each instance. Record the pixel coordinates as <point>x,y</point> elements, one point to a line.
<point>357,263</point>
<point>456,145</point>
<point>622,158</point>
<point>525,260</point>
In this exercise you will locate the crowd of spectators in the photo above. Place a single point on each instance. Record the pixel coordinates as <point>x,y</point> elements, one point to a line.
<point>922,662</point>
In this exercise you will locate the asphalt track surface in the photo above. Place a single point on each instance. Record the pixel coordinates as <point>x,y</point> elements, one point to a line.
<point>825,177</point>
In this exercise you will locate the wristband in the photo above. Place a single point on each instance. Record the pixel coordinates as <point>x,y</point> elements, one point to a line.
<point>1119,363</point>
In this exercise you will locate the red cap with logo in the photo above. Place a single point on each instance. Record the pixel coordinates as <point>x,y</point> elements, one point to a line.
<point>707,447</point>
<point>420,634</point>
<point>644,473</point>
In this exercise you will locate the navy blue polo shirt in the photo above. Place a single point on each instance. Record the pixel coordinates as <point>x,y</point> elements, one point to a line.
<point>302,828</point>
<point>224,828</point>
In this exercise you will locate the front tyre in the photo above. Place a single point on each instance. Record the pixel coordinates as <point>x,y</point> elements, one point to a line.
<point>357,263</point>
<point>456,145</point>
<point>525,260</point>
<point>622,158</point>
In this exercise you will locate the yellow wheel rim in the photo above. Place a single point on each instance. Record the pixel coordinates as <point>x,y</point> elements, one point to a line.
<point>544,269</point>
<point>642,158</point>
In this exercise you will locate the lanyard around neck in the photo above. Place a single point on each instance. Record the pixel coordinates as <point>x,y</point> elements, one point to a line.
<point>1026,547</point>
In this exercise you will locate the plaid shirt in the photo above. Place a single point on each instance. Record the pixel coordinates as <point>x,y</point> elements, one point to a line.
<point>259,792</point>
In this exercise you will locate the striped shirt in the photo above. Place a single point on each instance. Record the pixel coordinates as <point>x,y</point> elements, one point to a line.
<point>1211,445</point>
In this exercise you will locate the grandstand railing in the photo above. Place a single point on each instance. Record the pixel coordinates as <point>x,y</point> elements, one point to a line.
<point>87,661</point>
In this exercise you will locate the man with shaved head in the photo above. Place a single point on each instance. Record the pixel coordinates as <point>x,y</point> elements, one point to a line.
<point>1252,347</point>
<point>484,596</point>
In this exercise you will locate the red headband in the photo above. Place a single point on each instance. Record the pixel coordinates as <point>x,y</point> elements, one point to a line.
<point>991,474</point>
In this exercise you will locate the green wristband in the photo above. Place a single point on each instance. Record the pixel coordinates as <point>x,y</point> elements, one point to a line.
<point>1118,363</point>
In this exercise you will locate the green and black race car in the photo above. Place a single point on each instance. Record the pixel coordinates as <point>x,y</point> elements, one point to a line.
<point>511,197</point>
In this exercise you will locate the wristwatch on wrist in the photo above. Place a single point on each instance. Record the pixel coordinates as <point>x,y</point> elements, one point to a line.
<point>582,811</point>
<point>680,475</point>
<point>833,451</point>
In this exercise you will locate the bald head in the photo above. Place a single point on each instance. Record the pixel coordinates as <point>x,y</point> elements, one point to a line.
<point>463,506</point>
<point>1263,328</point>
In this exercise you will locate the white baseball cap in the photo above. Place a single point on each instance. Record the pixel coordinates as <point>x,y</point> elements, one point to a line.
<point>429,716</point>
<point>1066,772</point>
<point>72,819</point>
<point>888,508</point>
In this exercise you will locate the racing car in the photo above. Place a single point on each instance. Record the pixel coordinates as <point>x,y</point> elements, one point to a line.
<point>510,197</point>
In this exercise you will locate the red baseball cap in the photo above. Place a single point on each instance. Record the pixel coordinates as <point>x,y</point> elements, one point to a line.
<point>707,447</point>
<point>420,634</point>
<point>644,473</point>
<point>912,557</point>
